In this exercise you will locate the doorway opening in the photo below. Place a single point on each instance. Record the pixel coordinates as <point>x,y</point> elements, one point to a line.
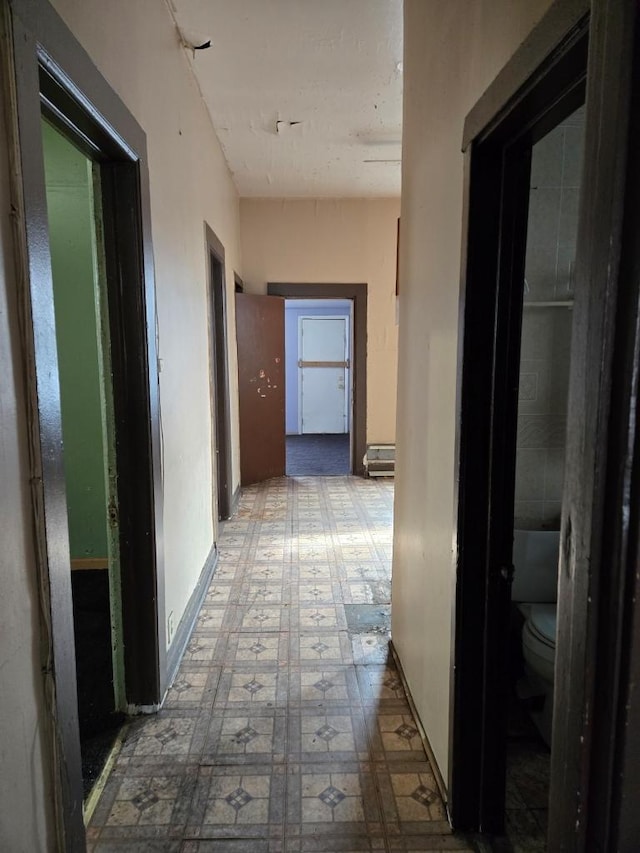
<point>356,296</point>
<point>260,333</point>
<point>318,392</point>
<point>219,377</point>
<point>576,52</point>
<point>88,435</point>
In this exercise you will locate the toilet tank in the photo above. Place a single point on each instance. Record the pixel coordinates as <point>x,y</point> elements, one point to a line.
<point>535,563</point>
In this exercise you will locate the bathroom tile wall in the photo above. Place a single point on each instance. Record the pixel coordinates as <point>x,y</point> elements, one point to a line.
<point>553,212</point>
<point>546,331</point>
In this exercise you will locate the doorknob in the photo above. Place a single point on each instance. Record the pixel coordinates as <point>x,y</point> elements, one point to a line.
<point>341,383</point>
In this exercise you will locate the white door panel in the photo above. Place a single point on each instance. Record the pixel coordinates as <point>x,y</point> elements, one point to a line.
<point>323,338</point>
<point>324,389</point>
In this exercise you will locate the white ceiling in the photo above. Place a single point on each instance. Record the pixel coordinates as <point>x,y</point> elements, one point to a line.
<point>335,66</point>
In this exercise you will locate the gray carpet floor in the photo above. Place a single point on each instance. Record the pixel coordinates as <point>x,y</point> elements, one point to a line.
<point>318,455</point>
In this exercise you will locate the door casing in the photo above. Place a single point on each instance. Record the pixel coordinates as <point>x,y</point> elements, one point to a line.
<point>358,294</point>
<point>219,377</point>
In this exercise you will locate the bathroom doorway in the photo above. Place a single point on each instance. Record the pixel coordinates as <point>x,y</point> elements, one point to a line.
<point>519,286</point>
<point>543,394</point>
<point>526,429</point>
<point>541,89</point>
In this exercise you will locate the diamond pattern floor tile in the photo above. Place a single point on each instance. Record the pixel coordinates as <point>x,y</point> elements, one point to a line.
<point>286,727</point>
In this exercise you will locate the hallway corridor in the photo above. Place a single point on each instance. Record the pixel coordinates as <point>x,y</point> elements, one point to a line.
<point>287,728</point>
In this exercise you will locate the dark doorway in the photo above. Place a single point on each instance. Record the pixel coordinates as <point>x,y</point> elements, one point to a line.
<point>543,393</point>
<point>501,199</point>
<point>219,374</point>
<point>541,87</point>
<point>76,101</point>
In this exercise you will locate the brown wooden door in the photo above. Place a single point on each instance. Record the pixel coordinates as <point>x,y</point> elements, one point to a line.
<point>260,330</point>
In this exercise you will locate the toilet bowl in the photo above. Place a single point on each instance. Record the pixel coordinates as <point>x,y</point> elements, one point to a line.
<point>539,641</point>
<point>539,651</point>
<point>535,560</point>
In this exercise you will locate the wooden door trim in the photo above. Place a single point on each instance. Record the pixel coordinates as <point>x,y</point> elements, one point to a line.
<point>220,395</point>
<point>358,294</point>
<point>595,783</point>
<point>517,112</point>
<point>525,68</point>
<point>47,70</point>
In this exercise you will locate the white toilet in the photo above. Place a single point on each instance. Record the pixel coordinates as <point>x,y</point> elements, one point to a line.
<point>535,589</point>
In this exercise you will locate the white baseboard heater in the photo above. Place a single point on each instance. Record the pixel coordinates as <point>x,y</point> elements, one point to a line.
<point>380,460</point>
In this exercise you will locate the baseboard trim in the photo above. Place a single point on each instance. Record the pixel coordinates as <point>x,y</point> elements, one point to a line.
<point>442,788</point>
<point>235,500</point>
<point>187,623</point>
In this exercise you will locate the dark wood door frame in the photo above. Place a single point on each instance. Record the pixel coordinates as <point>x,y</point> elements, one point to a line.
<point>357,293</point>
<point>595,777</point>
<point>596,767</point>
<point>47,72</point>
<point>219,374</point>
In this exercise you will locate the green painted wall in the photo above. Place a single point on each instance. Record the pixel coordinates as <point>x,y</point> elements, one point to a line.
<point>71,233</point>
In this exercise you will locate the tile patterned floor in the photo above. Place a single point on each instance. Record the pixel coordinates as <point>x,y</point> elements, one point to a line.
<point>285,731</point>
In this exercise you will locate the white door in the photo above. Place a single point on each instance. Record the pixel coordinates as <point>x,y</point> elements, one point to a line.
<point>323,366</point>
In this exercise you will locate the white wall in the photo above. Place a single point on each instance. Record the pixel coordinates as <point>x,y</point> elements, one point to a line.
<point>452,52</point>
<point>26,797</point>
<point>340,241</point>
<point>135,46</point>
